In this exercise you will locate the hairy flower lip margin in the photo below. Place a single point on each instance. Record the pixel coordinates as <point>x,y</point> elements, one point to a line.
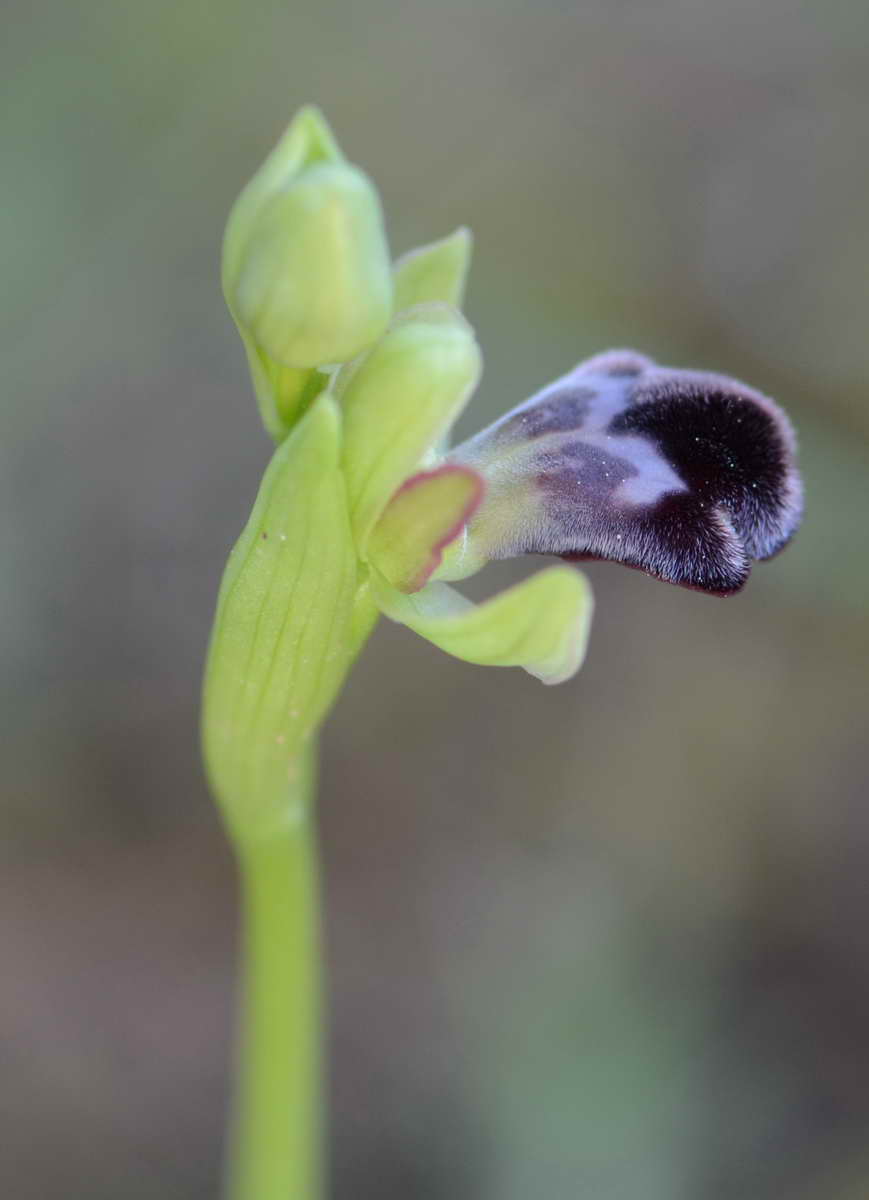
<point>685,475</point>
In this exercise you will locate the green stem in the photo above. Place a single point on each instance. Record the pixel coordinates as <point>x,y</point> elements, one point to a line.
<point>277,1139</point>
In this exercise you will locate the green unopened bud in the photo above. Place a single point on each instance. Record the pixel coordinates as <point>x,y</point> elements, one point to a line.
<point>306,268</point>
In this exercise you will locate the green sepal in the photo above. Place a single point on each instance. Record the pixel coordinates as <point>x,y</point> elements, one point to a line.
<point>437,271</point>
<point>283,633</point>
<point>427,512</point>
<point>398,399</point>
<point>541,624</point>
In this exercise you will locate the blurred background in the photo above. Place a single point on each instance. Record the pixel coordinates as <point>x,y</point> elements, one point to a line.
<point>607,940</point>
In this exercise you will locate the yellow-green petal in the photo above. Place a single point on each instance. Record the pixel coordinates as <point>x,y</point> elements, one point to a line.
<point>283,634</point>
<point>424,515</point>
<point>437,271</point>
<point>541,624</point>
<point>398,400</point>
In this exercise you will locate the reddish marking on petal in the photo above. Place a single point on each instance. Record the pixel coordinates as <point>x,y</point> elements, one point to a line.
<point>475,500</point>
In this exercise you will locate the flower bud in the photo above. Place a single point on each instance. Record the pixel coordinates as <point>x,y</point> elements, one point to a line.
<point>306,268</point>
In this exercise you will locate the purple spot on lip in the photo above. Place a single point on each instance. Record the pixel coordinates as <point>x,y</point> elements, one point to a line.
<point>577,474</point>
<point>558,413</point>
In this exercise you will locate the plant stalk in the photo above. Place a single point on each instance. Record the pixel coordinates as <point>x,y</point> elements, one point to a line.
<point>277,1137</point>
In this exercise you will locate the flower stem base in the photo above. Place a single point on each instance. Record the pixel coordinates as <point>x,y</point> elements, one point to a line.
<point>276,1151</point>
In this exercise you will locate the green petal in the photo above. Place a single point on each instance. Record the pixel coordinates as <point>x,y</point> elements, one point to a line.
<point>398,400</point>
<point>541,624</point>
<point>424,515</point>
<point>283,635</point>
<point>437,271</point>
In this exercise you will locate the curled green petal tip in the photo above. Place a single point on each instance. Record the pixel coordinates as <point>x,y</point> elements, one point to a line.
<point>541,624</point>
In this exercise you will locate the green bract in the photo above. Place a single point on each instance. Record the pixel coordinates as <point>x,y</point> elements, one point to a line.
<point>282,637</point>
<point>357,506</point>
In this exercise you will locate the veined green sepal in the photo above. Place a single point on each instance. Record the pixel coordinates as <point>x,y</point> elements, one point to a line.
<point>283,633</point>
<point>541,624</point>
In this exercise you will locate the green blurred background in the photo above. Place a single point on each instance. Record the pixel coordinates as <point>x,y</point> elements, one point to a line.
<point>607,940</point>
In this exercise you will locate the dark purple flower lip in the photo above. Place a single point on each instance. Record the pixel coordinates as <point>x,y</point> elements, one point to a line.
<point>686,475</point>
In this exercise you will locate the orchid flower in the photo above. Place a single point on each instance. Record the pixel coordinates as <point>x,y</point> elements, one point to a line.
<point>685,475</point>
<point>361,368</point>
